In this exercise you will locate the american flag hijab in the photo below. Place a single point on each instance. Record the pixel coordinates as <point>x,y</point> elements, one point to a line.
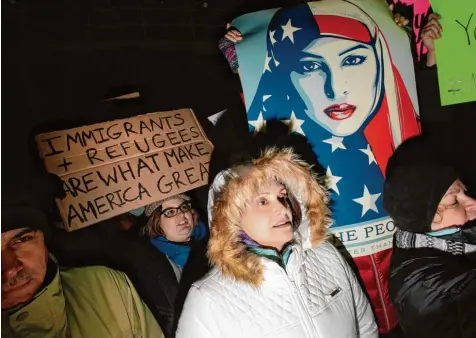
<point>356,162</point>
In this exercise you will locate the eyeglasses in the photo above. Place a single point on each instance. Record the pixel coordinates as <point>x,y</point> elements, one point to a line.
<point>172,212</point>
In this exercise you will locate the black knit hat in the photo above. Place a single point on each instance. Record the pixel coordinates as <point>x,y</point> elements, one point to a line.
<point>415,150</point>
<point>21,211</point>
<point>412,193</point>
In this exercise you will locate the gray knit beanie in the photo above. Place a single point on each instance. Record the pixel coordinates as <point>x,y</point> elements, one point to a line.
<point>149,209</point>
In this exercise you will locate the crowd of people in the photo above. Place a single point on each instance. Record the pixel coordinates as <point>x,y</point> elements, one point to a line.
<point>257,260</point>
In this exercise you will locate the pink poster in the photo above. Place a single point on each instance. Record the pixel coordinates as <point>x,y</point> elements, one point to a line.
<point>420,9</point>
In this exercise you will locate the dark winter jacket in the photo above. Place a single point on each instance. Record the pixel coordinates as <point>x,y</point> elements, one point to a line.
<point>433,290</point>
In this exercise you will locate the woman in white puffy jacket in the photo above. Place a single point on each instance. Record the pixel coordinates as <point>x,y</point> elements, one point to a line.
<point>275,274</point>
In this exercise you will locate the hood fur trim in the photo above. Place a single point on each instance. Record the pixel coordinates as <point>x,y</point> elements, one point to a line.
<point>230,194</point>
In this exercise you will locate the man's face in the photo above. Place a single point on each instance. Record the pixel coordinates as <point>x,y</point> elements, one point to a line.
<point>24,261</point>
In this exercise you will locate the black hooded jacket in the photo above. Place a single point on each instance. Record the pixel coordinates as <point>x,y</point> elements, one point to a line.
<point>433,291</point>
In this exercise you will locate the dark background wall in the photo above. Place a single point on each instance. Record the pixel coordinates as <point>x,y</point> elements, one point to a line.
<point>59,58</point>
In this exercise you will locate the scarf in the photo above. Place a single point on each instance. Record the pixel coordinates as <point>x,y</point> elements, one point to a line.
<point>410,240</point>
<point>177,252</point>
<point>272,254</point>
<point>444,232</point>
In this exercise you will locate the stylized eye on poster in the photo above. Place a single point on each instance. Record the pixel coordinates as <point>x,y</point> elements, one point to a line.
<point>341,74</point>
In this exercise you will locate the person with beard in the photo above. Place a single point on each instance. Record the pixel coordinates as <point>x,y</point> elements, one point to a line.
<point>432,280</point>
<point>42,299</point>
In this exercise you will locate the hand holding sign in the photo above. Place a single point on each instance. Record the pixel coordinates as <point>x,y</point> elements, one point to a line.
<point>110,168</point>
<point>456,51</point>
<point>233,34</point>
<point>431,32</point>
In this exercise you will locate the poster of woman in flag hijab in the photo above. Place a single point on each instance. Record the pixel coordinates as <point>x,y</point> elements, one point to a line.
<point>341,74</point>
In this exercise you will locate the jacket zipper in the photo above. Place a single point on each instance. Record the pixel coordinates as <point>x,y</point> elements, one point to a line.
<point>307,321</point>
<point>380,291</point>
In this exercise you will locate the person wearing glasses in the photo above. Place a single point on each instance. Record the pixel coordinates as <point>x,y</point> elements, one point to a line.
<point>174,228</point>
<point>162,265</point>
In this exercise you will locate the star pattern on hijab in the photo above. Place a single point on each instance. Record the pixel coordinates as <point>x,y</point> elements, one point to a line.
<point>361,193</point>
<point>289,30</point>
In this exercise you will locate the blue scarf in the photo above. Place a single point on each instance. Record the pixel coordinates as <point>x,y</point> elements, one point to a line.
<point>443,232</point>
<point>280,258</point>
<point>178,252</point>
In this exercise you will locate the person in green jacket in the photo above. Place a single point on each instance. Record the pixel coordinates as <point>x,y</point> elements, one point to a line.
<point>41,299</point>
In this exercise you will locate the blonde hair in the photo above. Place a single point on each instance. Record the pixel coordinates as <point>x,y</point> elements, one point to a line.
<point>230,194</point>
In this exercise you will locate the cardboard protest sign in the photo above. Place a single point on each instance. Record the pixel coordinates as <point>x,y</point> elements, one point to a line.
<point>456,50</point>
<point>339,73</point>
<point>113,167</point>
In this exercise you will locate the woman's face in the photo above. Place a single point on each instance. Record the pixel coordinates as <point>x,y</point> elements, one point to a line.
<point>455,209</point>
<point>268,219</point>
<point>337,80</point>
<point>176,220</point>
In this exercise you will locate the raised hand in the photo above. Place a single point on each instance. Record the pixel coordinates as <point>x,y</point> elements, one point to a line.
<point>431,31</point>
<point>233,35</point>
<point>429,34</point>
<point>400,20</point>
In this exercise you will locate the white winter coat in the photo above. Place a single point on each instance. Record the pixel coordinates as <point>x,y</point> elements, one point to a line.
<point>248,296</point>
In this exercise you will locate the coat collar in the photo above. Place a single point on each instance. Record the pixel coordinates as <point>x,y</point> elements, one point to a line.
<point>45,315</point>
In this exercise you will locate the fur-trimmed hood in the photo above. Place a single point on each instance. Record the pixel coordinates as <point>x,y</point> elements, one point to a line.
<point>230,192</point>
